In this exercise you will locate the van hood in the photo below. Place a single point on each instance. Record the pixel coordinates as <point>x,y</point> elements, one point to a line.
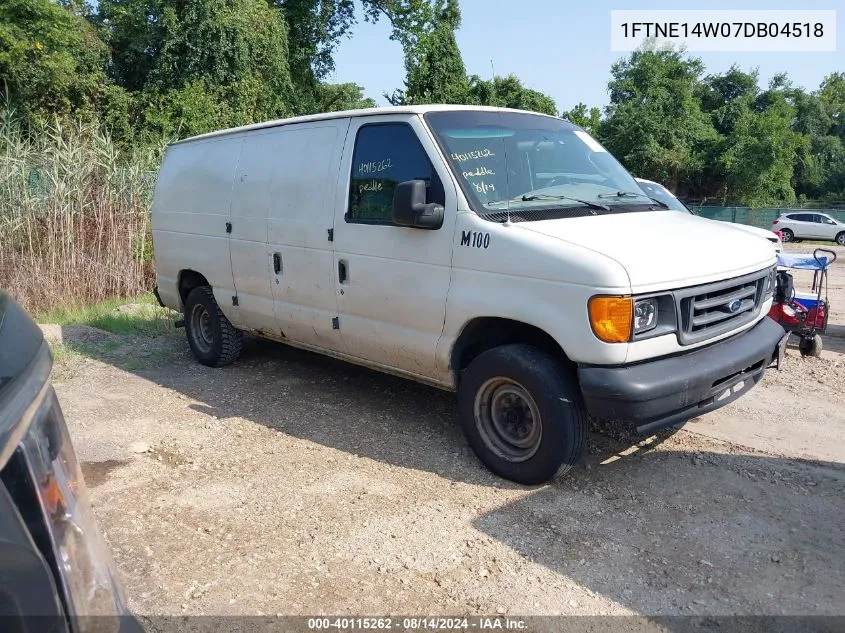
<point>661,250</point>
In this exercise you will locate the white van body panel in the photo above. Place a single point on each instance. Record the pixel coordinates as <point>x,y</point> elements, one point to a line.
<point>190,210</point>
<point>409,293</point>
<point>529,278</point>
<point>671,249</point>
<point>305,164</point>
<point>392,306</point>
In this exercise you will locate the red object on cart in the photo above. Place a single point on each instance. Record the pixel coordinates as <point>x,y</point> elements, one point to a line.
<point>817,318</point>
<point>791,315</point>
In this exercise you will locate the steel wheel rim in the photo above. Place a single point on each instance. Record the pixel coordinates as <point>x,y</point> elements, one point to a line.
<point>508,419</point>
<point>202,329</point>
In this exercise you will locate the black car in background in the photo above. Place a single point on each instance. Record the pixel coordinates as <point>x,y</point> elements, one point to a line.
<point>56,573</point>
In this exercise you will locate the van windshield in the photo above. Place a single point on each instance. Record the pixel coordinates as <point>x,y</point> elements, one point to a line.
<point>538,166</point>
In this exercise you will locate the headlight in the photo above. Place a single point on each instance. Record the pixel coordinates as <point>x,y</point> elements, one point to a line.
<point>85,567</point>
<point>645,315</point>
<point>623,319</point>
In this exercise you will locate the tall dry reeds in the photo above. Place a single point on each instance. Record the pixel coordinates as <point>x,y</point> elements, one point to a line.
<point>74,216</point>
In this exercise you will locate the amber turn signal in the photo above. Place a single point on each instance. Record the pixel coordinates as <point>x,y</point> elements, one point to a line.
<point>611,318</point>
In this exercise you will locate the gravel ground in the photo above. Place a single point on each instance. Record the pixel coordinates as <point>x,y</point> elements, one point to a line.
<point>291,483</point>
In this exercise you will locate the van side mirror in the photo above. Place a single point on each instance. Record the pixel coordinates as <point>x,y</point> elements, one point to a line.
<point>411,209</point>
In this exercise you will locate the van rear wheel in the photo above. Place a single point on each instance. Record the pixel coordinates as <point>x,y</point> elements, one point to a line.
<point>522,414</point>
<point>213,339</point>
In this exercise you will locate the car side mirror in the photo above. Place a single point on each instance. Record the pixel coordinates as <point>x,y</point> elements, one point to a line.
<point>411,209</point>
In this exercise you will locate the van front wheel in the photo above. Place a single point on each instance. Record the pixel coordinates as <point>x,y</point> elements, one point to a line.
<point>213,339</point>
<point>522,414</point>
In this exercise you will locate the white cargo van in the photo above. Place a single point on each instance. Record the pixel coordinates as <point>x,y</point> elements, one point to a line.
<point>498,253</point>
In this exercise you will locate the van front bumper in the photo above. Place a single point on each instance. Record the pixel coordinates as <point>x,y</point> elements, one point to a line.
<point>668,391</point>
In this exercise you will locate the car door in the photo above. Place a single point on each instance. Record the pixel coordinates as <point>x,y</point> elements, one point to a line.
<point>827,227</point>
<point>391,281</point>
<point>802,225</point>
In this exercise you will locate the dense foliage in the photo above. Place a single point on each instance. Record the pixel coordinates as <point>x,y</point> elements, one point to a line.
<point>147,71</point>
<point>723,137</point>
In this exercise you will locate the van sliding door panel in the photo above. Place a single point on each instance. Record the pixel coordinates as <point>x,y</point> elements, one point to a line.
<point>248,239</point>
<point>302,191</point>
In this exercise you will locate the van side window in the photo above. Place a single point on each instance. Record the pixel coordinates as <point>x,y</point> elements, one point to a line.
<point>385,155</point>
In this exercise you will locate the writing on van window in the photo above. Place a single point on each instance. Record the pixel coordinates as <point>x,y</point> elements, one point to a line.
<point>479,171</point>
<point>375,166</point>
<point>371,185</point>
<point>483,187</point>
<point>386,155</point>
<point>477,239</point>
<point>473,155</point>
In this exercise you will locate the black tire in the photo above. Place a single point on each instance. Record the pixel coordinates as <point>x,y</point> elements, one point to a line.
<point>786,235</point>
<point>213,339</point>
<point>840,238</point>
<point>811,346</point>
<point>522,381</point>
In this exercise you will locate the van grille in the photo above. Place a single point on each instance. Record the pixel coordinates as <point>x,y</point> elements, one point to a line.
<point>713,309</point>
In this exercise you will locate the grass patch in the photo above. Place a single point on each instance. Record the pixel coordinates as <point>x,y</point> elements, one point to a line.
<point>827,243</point>
<point>129,353</point>
<point>140,315</point>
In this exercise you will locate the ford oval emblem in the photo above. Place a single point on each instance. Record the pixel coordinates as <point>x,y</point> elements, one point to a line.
<point>734,306</point>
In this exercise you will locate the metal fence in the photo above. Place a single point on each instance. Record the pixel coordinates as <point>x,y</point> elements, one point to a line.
<point>758,217</point>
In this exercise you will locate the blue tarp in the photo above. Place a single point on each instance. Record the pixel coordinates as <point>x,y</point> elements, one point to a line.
<point>804,262</point>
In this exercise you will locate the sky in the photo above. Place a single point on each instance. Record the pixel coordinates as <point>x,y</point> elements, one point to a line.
<point>562,47</point>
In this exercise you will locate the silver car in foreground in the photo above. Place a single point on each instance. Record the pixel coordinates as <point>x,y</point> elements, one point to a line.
<point>806,225</point>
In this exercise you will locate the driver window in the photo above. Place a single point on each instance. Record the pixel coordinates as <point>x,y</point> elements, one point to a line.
<point>385,155</point>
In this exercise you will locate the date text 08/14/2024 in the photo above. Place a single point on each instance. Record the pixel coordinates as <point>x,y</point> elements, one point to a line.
<point>416,623</point>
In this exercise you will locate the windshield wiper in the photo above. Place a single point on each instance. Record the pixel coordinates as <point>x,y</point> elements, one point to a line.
<point>632,194</point>
<point>541,196</point>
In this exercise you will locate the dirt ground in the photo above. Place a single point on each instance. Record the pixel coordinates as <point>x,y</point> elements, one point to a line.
<point>291,483</point>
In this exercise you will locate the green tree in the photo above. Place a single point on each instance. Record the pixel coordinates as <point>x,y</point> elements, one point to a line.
<point>832,95</point>
<point>817,149</point>
<point>830,149</point>
<point>590,119</point>
<point>435,69</point>
<point>654,123</point>
<point>337,97</point>
<point>315,28</point>
<point>51,62</point>
<point>225,59</point>
<point>751,161</point>
<point>509,92</point>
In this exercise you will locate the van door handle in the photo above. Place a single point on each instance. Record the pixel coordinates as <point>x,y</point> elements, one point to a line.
<point>341,271</point>
<point>277,262</point>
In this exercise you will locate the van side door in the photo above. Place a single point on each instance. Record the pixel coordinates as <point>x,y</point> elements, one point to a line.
<point>247,228</point>
<point>391,281</point>
<point>300,256</point>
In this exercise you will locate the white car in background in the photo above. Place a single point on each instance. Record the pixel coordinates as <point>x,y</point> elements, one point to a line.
<point>662,194</point>
<point>810,226</point>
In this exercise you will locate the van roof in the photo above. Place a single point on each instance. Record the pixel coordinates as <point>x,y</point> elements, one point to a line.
<point>416,109</point>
